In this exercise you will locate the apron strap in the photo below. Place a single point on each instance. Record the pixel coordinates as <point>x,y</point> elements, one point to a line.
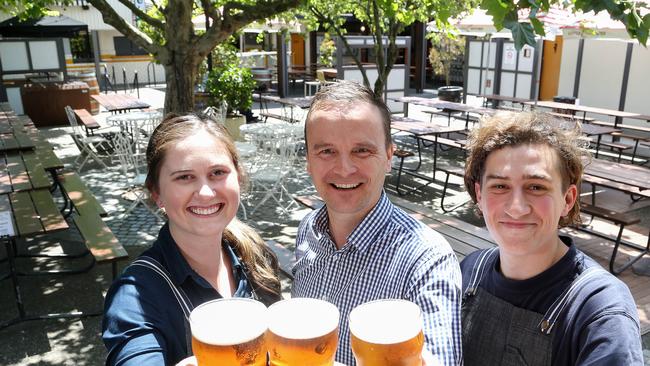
<point>182,299</point>
<point>554,312</point>
<point>479,270</point>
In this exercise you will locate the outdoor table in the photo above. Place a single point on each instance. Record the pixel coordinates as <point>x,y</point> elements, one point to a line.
<point>119,102</point>
<point>591,130</point>
<point>329,73</point>
<point>445,106</point>
<point>418,129</point>
<point>24,214</point>
<point>627,174</point>
<point>138,124</point>
<point>501,98</point>
<point>619,115</point>
<point>295,102</point>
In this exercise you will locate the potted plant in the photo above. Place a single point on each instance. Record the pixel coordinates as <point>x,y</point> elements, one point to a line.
<point>327,51</point>
<point>231,84</point>
<point>445,50</point>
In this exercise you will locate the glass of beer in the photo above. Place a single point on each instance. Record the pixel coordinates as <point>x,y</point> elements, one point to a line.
<point>387,333</point>
<point>302,332</point>
<point>229,332</point>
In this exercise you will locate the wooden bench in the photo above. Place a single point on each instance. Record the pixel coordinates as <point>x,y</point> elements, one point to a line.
<point>98,237</point>
<point>638,141</point>
<point>79,196</point>
<point>621,220</point>
<point>87,120</point>
<point>100,240</point>
<point>620,147</point>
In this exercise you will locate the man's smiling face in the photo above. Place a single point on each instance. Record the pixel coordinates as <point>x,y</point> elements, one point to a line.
<point>347,157</point>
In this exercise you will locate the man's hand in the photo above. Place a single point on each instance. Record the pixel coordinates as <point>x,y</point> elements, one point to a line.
<point>190,361</point>
<point>428,359</point>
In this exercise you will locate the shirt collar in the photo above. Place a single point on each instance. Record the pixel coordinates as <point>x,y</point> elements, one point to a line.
<point>368,229</point>
<point>180,270</point>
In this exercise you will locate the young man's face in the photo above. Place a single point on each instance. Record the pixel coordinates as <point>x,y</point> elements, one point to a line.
<point>522,200</point>
<point>348,157</point>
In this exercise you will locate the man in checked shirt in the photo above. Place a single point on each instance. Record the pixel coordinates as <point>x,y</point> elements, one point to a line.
<point>359,246</point>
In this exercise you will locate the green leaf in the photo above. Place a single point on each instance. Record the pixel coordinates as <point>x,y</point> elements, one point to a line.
<point>522,33</point>
<point>538,26</point>
<point>498,10</point>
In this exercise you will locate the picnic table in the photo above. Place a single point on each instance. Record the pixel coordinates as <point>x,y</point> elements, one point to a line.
<point>28,208</point>
<point>446,107</point>
<point>618,115</point>
<point>118,103</point>
<point>634,176</point>
<point>422,131</point>
<point>496,99</point>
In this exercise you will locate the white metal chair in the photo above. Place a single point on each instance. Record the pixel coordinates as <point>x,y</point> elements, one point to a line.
<point>133,166</point>
<point>218,113</point>
<point>272,164</point>
<point>95,147</point>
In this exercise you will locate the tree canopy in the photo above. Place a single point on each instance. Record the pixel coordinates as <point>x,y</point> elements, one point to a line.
<point>167,32</point>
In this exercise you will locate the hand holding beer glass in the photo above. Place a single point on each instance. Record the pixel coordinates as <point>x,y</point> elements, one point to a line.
<point>229,332</point>
<point>387,333</point>
<point>302,332</point>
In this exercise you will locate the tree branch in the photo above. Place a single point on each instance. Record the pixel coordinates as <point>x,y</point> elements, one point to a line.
<point>161,10</point>
<point>245,14</point>
<point>142,15</point>
<point>110,16</point>
<point>325,19</point>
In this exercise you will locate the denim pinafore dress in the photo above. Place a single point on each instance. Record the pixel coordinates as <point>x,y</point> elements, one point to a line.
<point>498,333</point>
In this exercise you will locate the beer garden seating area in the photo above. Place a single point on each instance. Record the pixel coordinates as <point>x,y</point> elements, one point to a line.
<point>426,182</point>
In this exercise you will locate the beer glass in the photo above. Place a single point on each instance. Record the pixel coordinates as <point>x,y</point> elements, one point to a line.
<point>229,332</point>
<point>302,332</point>
<point>387,333</point>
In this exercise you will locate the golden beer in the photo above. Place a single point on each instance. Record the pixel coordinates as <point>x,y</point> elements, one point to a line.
<point>229,332</point>
<point>387,333</point>
<point>302,332</point>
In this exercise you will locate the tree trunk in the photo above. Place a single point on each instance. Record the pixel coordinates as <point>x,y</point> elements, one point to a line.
<point>180,75</point>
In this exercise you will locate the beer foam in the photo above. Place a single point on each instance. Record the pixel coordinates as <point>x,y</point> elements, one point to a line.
<point>226,322</point>
<point>386,321</point>
<point>303,318</point>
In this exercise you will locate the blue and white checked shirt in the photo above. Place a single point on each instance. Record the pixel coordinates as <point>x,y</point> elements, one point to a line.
<point>389,255</point>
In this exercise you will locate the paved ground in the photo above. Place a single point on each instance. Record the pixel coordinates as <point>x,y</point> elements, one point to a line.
<point>78,342</point>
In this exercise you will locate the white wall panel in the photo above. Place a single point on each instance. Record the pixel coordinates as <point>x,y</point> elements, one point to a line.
<point>14,56</point>
<point>507,83</point>
<point>473,81</point>
<point>523,85</point>
<point>474,54</point>
<point>603,62</point>
<point>638,94</point>
<point>568,66</point>
<point>509,57</point>
<point>526,58</point>
<point>489,53</point>
<point>44,55</point>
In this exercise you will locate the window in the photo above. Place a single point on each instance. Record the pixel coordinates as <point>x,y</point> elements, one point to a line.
<point>80,47</point>
<point>124,47</point>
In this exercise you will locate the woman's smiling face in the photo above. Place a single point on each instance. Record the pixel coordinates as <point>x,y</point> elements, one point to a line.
<point>198,187</point>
